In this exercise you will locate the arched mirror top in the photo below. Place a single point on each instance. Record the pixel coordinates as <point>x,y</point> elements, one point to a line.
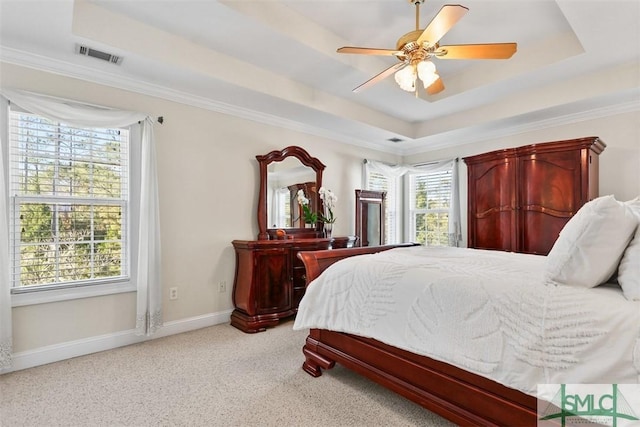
<point>281,177</point>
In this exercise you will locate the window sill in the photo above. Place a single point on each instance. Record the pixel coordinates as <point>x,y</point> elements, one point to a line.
<point>56,295</point>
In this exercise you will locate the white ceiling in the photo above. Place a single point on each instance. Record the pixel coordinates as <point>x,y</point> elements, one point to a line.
<point>276,61</point>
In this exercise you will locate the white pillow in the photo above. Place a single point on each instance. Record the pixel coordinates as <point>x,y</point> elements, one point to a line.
<point>629,269</point>
<point>590,245</point>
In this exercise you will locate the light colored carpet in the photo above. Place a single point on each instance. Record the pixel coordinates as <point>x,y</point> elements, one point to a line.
<point>216,376</point>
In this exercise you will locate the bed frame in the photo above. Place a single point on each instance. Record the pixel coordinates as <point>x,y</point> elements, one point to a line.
<point>453,393</point>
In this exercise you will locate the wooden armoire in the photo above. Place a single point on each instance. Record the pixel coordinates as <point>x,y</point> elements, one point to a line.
<point>520,198</point>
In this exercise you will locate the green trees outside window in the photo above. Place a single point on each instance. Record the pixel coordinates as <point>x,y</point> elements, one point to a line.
<point>430,200</point>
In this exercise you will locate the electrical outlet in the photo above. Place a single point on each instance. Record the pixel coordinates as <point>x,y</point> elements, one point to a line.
<point>173,293</point>
<point>222,286</point>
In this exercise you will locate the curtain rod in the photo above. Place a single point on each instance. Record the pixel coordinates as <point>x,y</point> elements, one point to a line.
<point>434,162</point>
<point>365,161</point>
<point>160,119</point>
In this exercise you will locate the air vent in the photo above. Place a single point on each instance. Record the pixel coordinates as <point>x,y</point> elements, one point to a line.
<point>94,53</point>
<point>395,140</point>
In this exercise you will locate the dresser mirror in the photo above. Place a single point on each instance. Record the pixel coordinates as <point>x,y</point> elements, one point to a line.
<point>370,212</point>
<point>282,174</point>
<point>284,180</point>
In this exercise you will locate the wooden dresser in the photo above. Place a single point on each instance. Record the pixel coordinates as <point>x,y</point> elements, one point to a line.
<point>270,280</point>
<point>520,198</point>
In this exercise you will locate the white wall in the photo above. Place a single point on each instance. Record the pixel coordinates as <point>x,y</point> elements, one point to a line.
<point>619,162</point>
<point>208,178</point>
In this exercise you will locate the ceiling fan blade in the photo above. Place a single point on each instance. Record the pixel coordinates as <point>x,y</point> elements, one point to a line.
<point>446,18</point>
<point>478,51</point>
<point>369,51</point>
<point>436,87</point>
<point>375,79</point>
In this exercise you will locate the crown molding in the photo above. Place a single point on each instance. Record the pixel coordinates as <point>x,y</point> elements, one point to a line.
<point>525,123</point>
<point>67,69</point>
<point>503,128</point>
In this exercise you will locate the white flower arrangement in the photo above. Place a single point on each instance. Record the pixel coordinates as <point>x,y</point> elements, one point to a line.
<point>329,200</point>
<point>301,198</point>
<point>309,217</point>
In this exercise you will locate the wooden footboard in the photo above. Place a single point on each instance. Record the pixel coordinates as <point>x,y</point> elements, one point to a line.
<point>458,395</point>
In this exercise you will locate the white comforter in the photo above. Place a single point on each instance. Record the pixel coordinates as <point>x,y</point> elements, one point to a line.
<point>487,312</point>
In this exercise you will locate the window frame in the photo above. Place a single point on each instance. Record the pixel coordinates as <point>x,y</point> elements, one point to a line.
<point>411,211</point>
<point>97,287</point>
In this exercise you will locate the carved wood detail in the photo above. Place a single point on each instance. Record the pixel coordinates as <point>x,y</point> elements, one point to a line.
<point>278,156</point>
<point>520,198</point>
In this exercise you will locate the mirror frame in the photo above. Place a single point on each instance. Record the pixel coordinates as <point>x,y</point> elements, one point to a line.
<point>278,156</point>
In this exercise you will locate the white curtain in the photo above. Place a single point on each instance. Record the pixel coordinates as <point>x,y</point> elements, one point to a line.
<point>149,315</point>
<point>455,227</point>
<point>396,171</point>
<point>149,301</point>
<point>279,204</point>
<point>5,284</point>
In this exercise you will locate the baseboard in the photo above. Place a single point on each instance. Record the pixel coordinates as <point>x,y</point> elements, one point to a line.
<point>67,350</point>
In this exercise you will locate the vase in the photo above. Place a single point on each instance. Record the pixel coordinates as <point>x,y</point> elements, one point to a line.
<point>309,225</point>
<point>328,229</point>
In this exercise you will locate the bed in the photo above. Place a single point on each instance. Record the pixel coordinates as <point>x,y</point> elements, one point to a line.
<point>534,333</point>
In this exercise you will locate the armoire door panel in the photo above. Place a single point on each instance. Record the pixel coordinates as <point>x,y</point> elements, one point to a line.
<point>551,182</point>
<point>494,231</point>
<point>494,188</point>
<point>492,209</point>
<point>539,231</point>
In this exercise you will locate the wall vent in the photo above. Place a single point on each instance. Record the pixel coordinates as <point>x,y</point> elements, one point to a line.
<point>94,53</point>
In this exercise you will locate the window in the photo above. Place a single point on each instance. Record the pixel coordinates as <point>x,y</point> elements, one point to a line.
<point>282,208</point>
<point>379,182</point>
<point>69,203</point>
<point>429,201</point>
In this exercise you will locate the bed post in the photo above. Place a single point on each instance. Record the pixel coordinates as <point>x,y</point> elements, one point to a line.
<point>314,361</point>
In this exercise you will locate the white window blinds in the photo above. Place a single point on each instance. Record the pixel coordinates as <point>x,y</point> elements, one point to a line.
<point>69,202</point>
<point>377,181</point>
<point>429,206</point>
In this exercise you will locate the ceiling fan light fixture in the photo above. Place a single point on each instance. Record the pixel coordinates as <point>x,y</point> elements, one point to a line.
<point>427,73</point>
<point>406,78</point>
<point>415,47</point>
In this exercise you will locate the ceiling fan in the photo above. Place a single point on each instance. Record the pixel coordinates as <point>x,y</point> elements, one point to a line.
<point>415,50</point>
